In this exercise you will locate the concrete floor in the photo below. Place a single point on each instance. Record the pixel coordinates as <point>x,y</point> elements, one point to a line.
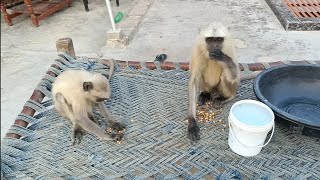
<point>168,27</point>
<point>171,26</point>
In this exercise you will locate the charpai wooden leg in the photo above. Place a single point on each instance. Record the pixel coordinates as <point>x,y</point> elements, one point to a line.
<point>35,20</point>
<point>6,15</point>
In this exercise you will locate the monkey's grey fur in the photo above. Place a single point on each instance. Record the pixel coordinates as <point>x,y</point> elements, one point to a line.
<point>75,92</point>
<point>214,72</point>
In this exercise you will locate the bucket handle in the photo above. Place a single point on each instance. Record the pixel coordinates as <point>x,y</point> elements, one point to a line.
<point>230,129</point>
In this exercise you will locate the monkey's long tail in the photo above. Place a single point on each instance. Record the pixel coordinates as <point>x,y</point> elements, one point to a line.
<point>111,63</point>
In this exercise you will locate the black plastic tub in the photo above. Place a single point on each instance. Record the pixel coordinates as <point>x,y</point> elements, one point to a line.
<point>292,92</point>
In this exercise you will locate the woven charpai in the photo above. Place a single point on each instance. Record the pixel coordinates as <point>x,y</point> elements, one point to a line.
<point>153,105</point>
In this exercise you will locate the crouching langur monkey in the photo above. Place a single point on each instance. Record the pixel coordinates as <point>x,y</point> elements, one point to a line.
<point>74,94</point>
<point>214,73</point>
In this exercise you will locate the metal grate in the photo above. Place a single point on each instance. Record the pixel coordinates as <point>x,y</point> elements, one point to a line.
<point>304,8</point>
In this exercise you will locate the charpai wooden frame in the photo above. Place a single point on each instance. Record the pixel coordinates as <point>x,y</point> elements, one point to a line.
<point>66,45</point>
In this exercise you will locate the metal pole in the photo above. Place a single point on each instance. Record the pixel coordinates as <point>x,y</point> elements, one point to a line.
<point>111,15</point>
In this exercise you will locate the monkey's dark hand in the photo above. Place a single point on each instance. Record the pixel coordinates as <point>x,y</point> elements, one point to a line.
<point>117,137</point>
<point>117,126</point>
<point>193,130</point>
<point>216,54</point>
<point>116,131</point>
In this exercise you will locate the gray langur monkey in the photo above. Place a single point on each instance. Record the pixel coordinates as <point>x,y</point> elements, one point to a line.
<point>214,73</point>
<point>74,94</point>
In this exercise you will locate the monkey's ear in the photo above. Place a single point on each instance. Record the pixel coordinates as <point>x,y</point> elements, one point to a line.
<point>106,75</point>
<point>87,86</point>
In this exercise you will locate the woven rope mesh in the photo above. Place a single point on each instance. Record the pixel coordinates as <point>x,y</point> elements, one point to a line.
<point>153,105</point>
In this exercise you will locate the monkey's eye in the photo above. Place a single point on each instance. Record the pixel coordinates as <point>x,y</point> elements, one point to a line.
<point>219,39</point>
<point>209,39</point>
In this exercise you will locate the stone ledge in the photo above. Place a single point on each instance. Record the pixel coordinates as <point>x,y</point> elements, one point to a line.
<point>117,43</point>
<point>140,9</point>
<point>130,22</point>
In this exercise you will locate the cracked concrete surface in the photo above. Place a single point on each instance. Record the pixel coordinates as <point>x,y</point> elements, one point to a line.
<point>169,26</point>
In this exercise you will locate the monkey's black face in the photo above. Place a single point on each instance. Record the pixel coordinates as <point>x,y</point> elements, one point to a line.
<point>214,46</point>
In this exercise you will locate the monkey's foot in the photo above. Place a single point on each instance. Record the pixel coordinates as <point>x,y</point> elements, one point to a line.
<point>203,98</point>
<point>218,103</point>
<point>215,94</point>
<point>77,136</point>
<point>193,130</point>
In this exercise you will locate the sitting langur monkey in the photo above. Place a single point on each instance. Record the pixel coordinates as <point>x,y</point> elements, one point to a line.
<point>214,73</point>
<point>74,93</point>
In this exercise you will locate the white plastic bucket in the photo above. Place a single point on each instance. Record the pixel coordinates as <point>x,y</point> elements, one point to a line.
<point>249,124</point>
